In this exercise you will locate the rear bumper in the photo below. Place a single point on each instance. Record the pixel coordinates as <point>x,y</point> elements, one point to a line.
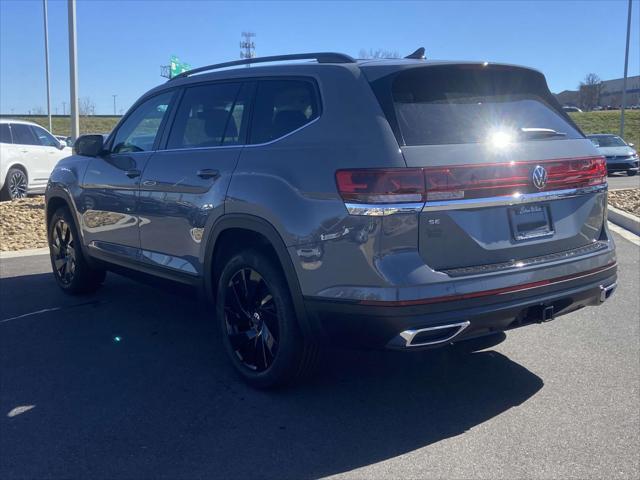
<point>411,326</point>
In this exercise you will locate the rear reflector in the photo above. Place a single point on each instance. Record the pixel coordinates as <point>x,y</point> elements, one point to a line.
<point>404,185</point>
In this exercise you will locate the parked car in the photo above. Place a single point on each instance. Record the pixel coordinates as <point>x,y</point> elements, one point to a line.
<point>400,204</point>
<point>570,109</point>
<point>620,155</point>
<point>28,154</point>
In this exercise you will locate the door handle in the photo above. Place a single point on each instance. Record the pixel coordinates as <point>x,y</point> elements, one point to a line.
<point>132,173</point>
<point>208,173</point>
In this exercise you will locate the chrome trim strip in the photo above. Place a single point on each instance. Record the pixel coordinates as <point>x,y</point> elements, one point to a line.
<point>591,248</point>
<point>382,209</point>
<point>409,335</point>
<point>242,145</point>
<point>516,199</point>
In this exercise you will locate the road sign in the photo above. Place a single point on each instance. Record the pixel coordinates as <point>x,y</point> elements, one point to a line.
<point>176,67</point>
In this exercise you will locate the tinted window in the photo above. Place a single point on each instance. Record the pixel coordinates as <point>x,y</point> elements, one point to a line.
<point>5,133</point>
<point>45,138</point>
<point>23,135</point>
<point>281,107</point>
<point>469,104</point>
<point>608,141</point>
<point>209,116</point>
<point>139,130</point>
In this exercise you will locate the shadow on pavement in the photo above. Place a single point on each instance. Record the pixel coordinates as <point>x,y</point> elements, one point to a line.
<point>131,383</point>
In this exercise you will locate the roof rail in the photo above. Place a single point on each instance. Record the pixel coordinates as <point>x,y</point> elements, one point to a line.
<point>320,57</point>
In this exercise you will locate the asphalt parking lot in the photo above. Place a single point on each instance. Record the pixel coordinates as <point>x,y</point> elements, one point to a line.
<point>620,181</point>
<point>131,383</point>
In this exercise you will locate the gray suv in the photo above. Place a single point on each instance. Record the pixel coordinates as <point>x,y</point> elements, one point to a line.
<point>400,204</point>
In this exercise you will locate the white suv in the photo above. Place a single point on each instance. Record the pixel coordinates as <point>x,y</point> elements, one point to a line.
<point>28,154</point>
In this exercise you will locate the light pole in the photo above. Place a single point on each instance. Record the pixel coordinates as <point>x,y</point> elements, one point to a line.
<point>73,71</point>
<point>114,104</point>
<point>46,58</point>
<point>624,81</point>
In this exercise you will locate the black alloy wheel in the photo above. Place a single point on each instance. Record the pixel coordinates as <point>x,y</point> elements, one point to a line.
<point>63,252</point>
<point>251,320</point>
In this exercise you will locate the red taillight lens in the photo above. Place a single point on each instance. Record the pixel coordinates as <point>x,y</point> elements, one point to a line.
<point>381,186</point>
<point>501,179</point>
<point>461,182</point>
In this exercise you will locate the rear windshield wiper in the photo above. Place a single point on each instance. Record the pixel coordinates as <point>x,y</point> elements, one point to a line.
<point>534,132</point>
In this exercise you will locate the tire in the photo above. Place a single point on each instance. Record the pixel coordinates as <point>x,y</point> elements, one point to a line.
<point>632,173</point>
<point>71,270</point>
<point>15,185</point>
<point>260,332</point>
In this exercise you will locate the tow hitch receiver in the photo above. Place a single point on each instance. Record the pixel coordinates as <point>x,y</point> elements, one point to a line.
<point>547,314</point>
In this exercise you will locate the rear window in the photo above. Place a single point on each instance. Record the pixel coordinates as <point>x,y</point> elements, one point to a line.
<point>23,135</point>
<point>282,106</point>
<point>470,104</point>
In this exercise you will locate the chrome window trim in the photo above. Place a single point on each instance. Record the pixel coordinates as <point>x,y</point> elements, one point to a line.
<point>242,145</point>
<point>516,199</point>
<point>383,209</point>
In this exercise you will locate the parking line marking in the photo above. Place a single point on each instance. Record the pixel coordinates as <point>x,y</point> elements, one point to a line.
<point>53,309</point>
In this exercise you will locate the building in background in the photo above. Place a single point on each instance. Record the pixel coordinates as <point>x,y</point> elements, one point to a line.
<point>610,93</point>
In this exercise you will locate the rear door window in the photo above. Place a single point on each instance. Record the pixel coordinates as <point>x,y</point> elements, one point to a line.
<point>209,116</point>
<point>282,106</point>
<point>23,135</point>
<point>470,104</point>
<point>5,133</point>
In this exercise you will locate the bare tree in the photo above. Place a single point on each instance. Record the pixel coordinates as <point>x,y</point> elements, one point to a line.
<point>589,91</point>
<point>86,106</point>
<point>37,111</point>
<point>379,53</point>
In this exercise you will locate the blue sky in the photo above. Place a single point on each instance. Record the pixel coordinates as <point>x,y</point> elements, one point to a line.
<point>121,44</point>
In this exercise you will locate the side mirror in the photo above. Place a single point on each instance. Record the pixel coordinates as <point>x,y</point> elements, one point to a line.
<point>631,144</point>
<point>89,145</point>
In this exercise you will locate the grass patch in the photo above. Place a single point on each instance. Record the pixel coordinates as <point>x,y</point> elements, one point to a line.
<point>609,122</point>
<point>62,125</point>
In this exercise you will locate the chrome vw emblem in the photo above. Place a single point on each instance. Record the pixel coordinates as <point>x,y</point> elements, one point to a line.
<point>539,177</point>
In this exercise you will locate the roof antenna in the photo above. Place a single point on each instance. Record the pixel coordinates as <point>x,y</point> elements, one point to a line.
<point>417,55</point>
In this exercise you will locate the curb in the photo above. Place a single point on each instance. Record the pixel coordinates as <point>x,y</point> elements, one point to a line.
<point>25,253</point>
<point>623,219</point>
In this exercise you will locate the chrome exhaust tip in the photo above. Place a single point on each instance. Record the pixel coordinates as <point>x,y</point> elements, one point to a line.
<point>606,292</point>
<point>423,337</point>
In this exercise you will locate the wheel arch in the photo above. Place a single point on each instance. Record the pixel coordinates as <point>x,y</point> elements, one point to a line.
<point>19,166</point>
<point>56,198</point>
<point>252,225</point>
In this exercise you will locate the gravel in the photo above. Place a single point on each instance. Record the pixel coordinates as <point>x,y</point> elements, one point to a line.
<point>22,224</point>
<point>627,200</point>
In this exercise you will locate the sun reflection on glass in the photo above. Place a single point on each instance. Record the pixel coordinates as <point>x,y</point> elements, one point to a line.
<point>500,139</point>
